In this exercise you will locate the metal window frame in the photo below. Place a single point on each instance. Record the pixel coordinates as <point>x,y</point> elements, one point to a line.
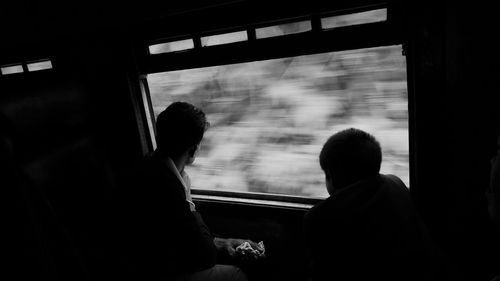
<point>377,34</point>
<point>311,42</point>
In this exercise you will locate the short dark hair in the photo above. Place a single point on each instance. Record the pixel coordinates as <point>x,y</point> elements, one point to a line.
<point>180,126</point>
<point>349,156</point>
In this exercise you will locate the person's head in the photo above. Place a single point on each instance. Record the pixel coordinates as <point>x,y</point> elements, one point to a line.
<point>493,194</point>
<point>349,156</point>
<point>180,128</point>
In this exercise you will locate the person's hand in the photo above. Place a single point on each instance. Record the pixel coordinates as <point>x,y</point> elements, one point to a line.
<point>246,251</point>
<point>240,248</point>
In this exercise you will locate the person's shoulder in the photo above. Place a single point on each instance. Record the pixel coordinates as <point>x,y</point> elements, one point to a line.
<point>151,176</point>
<point>318,210</point>
<point>153,166</point>
<point>149,161</point>
<point>393,181</point>
<point>393,188</point>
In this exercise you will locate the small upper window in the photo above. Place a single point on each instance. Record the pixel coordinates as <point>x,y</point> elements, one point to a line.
<point>283,29</point>
<point>39,65</point>
<point>173,46</point>
<point>11,69</point>
<point>225,38</point>
<point>354,19</point>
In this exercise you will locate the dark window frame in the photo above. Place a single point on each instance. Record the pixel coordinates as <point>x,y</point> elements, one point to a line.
<point>317,40</point>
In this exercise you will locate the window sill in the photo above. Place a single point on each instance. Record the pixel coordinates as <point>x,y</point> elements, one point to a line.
<point>250,201</point>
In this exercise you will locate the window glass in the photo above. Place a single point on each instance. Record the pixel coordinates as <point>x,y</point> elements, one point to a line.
<point>283,29</point>
<point>171,46</point>
<point>225,38</point>
<point>11,69</point>
<point>271,118</point>
<point>354,19</point>
<point>39,65</point>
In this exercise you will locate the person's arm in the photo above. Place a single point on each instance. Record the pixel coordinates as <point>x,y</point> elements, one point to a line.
<point>193,240</point>
<point>173,232</point>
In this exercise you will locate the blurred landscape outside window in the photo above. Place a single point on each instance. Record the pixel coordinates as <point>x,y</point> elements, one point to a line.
<point>269,119</point>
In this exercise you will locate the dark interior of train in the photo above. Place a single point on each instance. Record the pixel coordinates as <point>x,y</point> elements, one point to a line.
<point>82,125</point>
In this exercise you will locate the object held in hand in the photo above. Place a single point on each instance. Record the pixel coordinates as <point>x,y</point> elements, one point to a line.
<point>245,249</point>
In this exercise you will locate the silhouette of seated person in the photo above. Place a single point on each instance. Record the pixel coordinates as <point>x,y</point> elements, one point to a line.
<point>368,228</point>
<point>35,244</point>
<point>169,237</point>
<point>493,195</point>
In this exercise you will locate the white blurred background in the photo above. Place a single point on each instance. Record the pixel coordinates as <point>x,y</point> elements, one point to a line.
<point>269,119</point>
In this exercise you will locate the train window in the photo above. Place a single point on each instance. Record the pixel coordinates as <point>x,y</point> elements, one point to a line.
<point>225,38</point>
<point>12,69</point>
<point>271,117</point>
<point>283,29</point>
<point>39,65</point>
<point>173,46</point>
<point>354,19</point>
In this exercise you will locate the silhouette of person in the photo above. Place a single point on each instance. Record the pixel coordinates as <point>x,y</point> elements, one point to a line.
<point>170,237</point>
<point>36,245</point>
<point>368,228</point>
<point>493,193</point>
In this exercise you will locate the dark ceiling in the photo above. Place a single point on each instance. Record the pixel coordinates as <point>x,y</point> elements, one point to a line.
<point>50,16</point>
<point>27,24</point>
<point>37,22</point>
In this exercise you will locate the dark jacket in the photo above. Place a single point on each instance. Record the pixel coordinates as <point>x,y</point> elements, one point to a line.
<point>35,244</point>
<point>371,231</point>
<point>164,237</point>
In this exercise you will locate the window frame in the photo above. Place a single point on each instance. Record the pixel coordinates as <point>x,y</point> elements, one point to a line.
<point>317,40</point>
<point>311,42</point>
